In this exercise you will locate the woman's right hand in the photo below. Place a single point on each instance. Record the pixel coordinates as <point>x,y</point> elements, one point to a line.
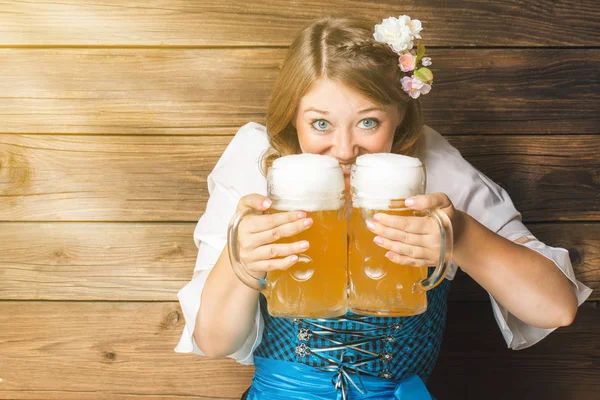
<point>257,234</point>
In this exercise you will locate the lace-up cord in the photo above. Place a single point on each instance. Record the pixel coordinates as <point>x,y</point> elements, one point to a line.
<point>348,364</point>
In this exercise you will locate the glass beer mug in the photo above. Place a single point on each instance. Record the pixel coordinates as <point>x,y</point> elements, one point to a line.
<point>380,183</point>
<point>316,285</point>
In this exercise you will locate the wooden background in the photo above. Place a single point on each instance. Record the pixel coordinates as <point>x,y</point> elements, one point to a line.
<point>113,113</point>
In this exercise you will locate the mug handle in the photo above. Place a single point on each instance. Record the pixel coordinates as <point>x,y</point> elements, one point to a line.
<point>233,247</point>
<point>446,248</point>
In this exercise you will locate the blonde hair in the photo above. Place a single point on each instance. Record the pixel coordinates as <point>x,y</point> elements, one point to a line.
<point>341,48</point>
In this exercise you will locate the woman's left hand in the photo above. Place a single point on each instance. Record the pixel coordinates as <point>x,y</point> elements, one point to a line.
<point>415,241</point>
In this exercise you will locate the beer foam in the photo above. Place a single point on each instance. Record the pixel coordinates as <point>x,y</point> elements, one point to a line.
<point>308,182</point>
<point>378,178</point>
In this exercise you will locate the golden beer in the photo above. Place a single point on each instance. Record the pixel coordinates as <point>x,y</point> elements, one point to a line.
<point>379,286</point>
<point>316,285</point>
<point>380,183</point>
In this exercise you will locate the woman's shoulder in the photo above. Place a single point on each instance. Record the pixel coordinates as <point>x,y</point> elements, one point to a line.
<point>441,158</point>
<point>240,163</point>
<point>448,171</point>
<point>251,137</point>
<point>435,147</point>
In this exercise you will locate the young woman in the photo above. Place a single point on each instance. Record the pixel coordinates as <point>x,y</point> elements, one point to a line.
<point>348,87</point>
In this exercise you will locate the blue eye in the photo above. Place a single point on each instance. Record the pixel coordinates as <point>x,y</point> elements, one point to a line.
<point>373,125</point>
<point>320,125</point>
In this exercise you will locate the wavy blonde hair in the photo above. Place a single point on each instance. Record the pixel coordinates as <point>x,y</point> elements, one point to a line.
<point>341,48</point>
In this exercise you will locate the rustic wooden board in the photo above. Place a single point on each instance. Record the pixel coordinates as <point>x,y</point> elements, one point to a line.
<point>274,22</point>
<point>152,261</point>
<point>163,178</point>
<point>162,91</point>
<point>475,363</point>
<point>120,349</point>
<point>95,261</point>
<point>106,350</point>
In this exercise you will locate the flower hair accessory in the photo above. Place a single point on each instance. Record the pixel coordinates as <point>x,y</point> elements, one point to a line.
<point>400,33</point>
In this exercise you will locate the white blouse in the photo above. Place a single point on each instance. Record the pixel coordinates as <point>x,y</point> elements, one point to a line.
<point>237,173</point>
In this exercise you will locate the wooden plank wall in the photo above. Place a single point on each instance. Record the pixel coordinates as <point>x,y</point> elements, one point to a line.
<point>114,112</point>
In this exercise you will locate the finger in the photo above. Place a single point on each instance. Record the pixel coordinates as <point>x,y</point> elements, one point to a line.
<point>255,201</point>
<point>404,260</point>
<point>282,231</point>
<point>431,200</point>
<point>415,225</point>
<point>278,250</point>
<point>397,234</point>
<point>274,264</point>
<point>260,223</point>
<point>416,252</point>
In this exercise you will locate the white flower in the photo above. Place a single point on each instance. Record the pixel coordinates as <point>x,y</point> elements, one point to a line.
<point>399,33</point>
<point>426,61</point>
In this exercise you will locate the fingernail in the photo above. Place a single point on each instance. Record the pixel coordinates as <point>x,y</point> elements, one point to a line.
<point>308,222</point>
<point>294,258</point>
<point>376,217</point>
<point>409,202</point>
<point>301,214</point>
<point>389,255</point>
<point>266,203</point>
<point>370,225</point>
<point>304,244</point>
<point>378,240</point>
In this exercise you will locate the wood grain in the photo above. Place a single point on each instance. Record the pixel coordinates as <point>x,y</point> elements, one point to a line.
<point>163,178</point>
<point>161,91</point>
<point>113,114</point>
<point>99,350</point>
<point>275,22</point>
<point>112,350</point>
<point>95,261</point>
<point>475,363</point>
<point>152,261</point>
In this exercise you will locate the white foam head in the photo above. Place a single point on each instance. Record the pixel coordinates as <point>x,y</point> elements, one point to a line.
<point>308,182</point>
<point>378,178</point>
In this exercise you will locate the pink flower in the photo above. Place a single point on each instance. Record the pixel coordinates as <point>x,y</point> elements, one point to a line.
<point>407,62</point>
<point>414,87</point>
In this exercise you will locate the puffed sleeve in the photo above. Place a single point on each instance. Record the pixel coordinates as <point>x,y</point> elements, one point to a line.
<point>474,193</point>
<point>236,174</point>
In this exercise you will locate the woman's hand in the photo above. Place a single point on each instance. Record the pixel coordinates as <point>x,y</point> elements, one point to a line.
<point>415,241</point>
<point>257,234</point>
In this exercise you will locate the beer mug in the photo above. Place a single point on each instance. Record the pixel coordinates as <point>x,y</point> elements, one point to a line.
<point>316,285</point>
<point>381,183</point>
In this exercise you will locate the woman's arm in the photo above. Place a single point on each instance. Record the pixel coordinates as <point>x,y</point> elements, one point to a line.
<point>227,308</point>
<point>525,282</point>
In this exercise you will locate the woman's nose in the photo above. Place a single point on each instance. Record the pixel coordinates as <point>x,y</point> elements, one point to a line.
<point>344,147</point>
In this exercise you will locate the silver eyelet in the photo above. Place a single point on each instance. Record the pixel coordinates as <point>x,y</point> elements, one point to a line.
<point>388,339</point>
<point>304,334</point>
<point>385,374</point>
<point>386,356</point>
<point>302,350</point>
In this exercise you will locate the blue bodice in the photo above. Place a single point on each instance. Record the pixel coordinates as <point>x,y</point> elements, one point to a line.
<point>386,347</point>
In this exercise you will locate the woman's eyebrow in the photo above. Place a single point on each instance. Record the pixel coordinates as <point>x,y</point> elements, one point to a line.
<point>360,112</point>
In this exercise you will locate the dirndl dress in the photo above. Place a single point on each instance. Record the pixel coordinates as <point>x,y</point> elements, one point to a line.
<point>351,356</point>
